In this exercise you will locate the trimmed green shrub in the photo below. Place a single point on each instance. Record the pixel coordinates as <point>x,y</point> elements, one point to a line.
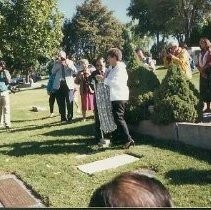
<point>176,100</point>
<point>142,83</point>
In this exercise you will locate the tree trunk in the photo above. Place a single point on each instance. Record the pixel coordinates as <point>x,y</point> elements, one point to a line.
<point>27,76</point>
<point>158,37</point>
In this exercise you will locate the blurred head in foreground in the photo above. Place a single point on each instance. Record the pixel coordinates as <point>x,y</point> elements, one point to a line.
<point>131,190</point>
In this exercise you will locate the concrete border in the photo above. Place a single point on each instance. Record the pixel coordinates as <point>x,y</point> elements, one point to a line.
<point>198,135</point>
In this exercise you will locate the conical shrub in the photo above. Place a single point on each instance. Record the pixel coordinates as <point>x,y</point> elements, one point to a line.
<point>176,100</point>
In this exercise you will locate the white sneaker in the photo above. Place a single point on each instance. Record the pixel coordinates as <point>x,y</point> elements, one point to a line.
<point>104,143</point>
<point>51,115</point>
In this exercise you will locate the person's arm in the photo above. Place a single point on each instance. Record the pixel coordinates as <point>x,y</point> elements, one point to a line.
<point>117,78</point>
<point>55,68</point>
<point>208,64</point>
<point>182,60</point>
<point>78,78</point>
<point>7,76</point>
<point>71,65</point>
<point>166,61</point>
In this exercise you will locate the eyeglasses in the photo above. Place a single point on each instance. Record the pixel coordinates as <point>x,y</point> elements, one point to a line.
<point>99,65</point>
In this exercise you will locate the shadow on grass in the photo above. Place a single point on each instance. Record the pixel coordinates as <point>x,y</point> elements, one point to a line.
<point>46,125</point>
<point>31,88</point>
<point>34,127</point>
<point>189,176</point>
<point>82,130</point>
<point>79,146</point>
<point>31,120</point>
<point>197,153</point>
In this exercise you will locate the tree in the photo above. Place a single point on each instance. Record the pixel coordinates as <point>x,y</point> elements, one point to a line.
<point>169,17</point>
<point>199,32</point>
<point>92,31</point>
<point>151,17</point>
<point>30,31</point>
<point>190,15</point>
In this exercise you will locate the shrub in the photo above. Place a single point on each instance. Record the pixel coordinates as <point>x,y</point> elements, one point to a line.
<point>176,100</point>
<point>142,83</point>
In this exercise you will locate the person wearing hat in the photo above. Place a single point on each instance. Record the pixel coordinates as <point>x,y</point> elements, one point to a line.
<point>179,57</point>
<point>5,79</point>
<point>63,85</point>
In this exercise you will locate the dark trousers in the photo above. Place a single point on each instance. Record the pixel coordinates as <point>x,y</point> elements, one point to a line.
<point>122,132</point>
<point>52,99</point>
<point>97,122</point>
<point>63,100</point>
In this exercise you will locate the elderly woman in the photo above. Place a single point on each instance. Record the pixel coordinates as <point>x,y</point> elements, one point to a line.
<point>204,67</point>
<point>178,56</point>
<point>87,94</point>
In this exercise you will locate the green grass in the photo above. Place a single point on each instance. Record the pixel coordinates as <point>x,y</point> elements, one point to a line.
<point>45,155</point>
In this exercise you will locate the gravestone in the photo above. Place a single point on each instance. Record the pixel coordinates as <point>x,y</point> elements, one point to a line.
<point>105,164</point>
<point>14,194</point>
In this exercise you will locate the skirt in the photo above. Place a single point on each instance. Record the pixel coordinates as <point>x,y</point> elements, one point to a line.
<point>87,102</point>
<point>205,88</point>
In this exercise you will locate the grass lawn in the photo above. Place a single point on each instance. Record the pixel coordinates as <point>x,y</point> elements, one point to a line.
<point>45,155</point>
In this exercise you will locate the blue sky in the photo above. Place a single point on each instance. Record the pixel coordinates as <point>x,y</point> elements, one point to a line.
<point>68,8</point>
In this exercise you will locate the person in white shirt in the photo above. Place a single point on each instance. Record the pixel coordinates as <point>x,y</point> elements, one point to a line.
<point>116,78</point>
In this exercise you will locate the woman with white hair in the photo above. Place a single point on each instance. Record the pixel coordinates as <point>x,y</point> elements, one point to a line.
<point>87,94</point>
<point>179,57</point>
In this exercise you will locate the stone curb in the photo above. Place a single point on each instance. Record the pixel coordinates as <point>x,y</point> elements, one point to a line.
<point>198,135</point>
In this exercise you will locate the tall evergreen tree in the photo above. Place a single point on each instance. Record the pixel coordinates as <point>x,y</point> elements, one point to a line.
<point>92,30</point>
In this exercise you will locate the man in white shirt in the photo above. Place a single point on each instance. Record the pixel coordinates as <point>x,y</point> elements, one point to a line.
<point>116,78</point>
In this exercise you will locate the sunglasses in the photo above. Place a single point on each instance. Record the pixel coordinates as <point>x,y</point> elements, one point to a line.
<point>99,65</point>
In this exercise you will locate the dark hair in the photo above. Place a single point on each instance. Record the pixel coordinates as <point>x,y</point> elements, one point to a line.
<point>207,42</point>
<point>131,190</point>
<point>115,52</point>
<point>98,59</point>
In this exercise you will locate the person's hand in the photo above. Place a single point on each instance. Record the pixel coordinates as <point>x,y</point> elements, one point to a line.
<point>169,55</point>
<point>99,77</point>
<point>64,63</point>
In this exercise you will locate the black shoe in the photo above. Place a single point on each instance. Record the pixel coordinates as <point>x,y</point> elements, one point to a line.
<point>7,127</point>
<point>129,144</point>
<point>63,120</point>
<point>69,119</point>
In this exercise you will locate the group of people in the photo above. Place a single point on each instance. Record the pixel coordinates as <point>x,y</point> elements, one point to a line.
<point>178,55</point>
<point>64,77</point>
